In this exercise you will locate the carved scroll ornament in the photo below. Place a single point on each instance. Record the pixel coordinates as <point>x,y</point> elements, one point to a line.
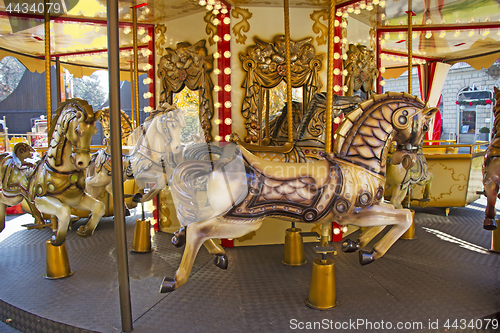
<point>265,67</point>
<point>189,66</point>
<point>160,31</point>
<point>362,71</point>
<point>243,25</point>
<point>318,27</point>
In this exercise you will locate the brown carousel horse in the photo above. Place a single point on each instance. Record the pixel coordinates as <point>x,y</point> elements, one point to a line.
<point>57,181</point>
<point>346,186</point>
<point>491,169</point>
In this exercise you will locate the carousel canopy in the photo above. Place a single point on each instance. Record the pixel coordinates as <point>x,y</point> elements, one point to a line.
<point>443,30</point>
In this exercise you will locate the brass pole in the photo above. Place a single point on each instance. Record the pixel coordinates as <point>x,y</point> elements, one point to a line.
<point>58,81</point>
<point>268,100</point>
<point>116,165</point>
<point>132,94</point>
<point>329,81</point>
<point>47,63</point>
<point>136,65</point>
<point>288,75</point>
<point>410,46</point>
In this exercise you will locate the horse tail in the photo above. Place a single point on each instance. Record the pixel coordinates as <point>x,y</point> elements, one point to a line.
<point>202,151</point>
<point>184,176</point>
<point>183,188</point>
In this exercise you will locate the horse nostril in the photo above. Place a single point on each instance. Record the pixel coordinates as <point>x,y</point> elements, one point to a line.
<point>80,164</point>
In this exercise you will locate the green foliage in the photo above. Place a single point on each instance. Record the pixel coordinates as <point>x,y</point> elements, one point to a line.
<point>11,72</point>
<point>90,89</point>
<point>188,100</point>
<point>484,130</point>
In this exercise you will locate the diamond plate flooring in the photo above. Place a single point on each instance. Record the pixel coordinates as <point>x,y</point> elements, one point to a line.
<point>445,274</point>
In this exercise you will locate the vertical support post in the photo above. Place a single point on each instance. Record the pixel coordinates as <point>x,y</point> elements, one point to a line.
<point>47,62</point>
<point>116,165</point>
<point>288,74</point>
<point>151,72</point>
<point>329,81</point>
<point>132,109</point>
<point>409,43</point>
<point>268,100</point>
<point>136,65</point>
<point>58,80</point>
<point>379,62</point>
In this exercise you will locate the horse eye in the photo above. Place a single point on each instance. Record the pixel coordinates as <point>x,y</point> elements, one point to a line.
<point>173,125</point>
<point>77,131</point>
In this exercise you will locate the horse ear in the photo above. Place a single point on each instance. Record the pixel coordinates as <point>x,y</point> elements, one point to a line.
<point>79,115</point>
<point>97,115</point>
<point>430,112</point>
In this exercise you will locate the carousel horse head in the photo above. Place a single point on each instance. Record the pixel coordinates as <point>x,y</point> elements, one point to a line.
<point>74,122</point>
<point>169,122</point>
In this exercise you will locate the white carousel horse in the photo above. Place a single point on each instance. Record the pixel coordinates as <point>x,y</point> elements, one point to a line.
<point>491,170</point>
<point>57,181</point>
<point>346,186</point>
<point>151,159</point>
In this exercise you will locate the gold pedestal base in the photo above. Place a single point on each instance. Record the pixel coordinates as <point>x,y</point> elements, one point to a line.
<point>294,248</point>
<point>322,292</point>
<point>410,233</point>
<point>495,240</point>
<point>142,236</point>
<point>57,262</point>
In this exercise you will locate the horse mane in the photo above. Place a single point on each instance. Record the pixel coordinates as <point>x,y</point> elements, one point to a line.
<point>355,137</point>
<point>495,133</point>
<point>77,103</point>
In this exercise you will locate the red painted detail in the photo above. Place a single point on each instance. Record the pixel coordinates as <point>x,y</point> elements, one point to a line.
<point>156,224</point>
<point>151,72</point>
<point>336,238</point>
<point>337,63</point>
<point>412,13</point>
<point>139,6</point>
<point>227,243</point>
<point>14,210</point>
<point>459,44</point>
<point>401,41</point>
<point>379,63</point>
<point>92,51</point>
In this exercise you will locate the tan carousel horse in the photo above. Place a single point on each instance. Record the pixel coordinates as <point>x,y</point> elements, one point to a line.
<point>491,169</point>
<point>57,181</point>
<point>151,159</point>
<point>346,186</point>
<point>401,177</point>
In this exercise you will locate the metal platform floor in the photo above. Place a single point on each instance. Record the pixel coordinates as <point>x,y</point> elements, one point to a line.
<point>447,273</point>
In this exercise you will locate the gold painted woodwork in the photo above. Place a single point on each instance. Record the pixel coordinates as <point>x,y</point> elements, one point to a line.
<point>160,32</point>
<point>410,233</point>
<point>126,125</point>
<point>362,72</point>
<point>495,239</point>
<point>243,25</point>
<point>319,28</point>
<point>141,242</point>
<point>173,69</point>
<point>211,28</point>
<point>265,67</point>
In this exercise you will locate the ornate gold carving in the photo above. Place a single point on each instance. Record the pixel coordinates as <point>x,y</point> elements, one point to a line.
<point>361,69</point>
<point>126,125</point>
<point>210,29</point>
<point>266,67</point>
<point>318,27</point>
<point>247,237</point>
<point>243,25</point>
<point>189,66</point>
<point>160,30</point>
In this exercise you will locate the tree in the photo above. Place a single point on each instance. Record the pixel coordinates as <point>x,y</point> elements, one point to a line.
<point>11,72</point>
<point>90,89</point>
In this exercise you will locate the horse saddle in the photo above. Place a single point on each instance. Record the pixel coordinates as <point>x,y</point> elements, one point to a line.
<point>319,171</point>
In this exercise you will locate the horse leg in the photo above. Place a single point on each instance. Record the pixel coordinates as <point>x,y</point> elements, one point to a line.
<point>220,258</point>
<point>377,216</point>
<point>198,233</point>
<point>3,209</point>
<point>52,206</point>
<point>398,195</point>
<point>96,208</point>
<point>427,188</point>
<point>363,239</point>
<point>491,189</point>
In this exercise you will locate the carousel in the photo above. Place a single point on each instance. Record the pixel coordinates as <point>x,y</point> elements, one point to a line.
<point>265,178</point>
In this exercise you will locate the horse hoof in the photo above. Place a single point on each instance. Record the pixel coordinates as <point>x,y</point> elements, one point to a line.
<point>350,246</point>
<point>137,198</point>
<point>489,224</point>
<point>167,285</point>
<point>82,233</point>
<point>55,242</point>
<point>221,261</point>
<point>179,238</point>
<point>366,257</point>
